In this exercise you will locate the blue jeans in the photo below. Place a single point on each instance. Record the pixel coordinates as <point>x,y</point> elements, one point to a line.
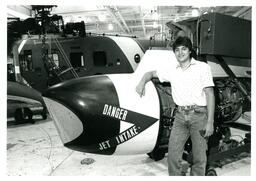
<point>188,123</point>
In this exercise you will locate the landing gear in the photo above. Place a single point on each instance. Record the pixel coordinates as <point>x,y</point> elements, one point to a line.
<point>44,116</point>
<point>23,115</point>
<point>157,154</point>
<point>44,113</point>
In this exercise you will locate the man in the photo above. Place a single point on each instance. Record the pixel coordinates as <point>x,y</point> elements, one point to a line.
<point>192,90</point>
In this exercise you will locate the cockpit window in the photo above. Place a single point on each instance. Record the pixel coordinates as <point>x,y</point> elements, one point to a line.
<point>100,58</point>
<point>77,59</point>
<point>26,63</point>
<point>54,56</point>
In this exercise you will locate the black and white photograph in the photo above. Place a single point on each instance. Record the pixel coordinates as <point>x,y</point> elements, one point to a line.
<point>110,88</point>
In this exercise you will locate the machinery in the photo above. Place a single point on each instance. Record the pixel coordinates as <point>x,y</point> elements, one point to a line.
<point>43,51</point>
<point>47,51</point>
<point>104,115</point>
<point>24,102</point>
<point>89,55</point>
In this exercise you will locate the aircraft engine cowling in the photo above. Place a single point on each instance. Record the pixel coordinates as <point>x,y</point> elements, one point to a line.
<point>229,101</point>
<point>102,115</point>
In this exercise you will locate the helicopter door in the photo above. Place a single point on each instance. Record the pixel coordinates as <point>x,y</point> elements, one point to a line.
<point>77,59</point>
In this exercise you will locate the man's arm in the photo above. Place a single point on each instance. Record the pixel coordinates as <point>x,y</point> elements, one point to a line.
<point>140,88</point>
<point>210,99</point>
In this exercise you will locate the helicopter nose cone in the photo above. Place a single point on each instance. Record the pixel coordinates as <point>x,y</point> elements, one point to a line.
<point>77,107</point>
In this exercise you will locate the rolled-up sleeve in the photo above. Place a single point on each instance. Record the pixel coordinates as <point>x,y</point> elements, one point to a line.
<point>207,79</point>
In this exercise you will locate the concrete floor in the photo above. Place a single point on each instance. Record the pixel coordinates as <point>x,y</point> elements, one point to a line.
<point>36,149</point>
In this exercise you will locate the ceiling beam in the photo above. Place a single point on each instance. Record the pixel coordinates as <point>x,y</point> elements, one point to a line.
<point>142,21</point>
<point>242,11</point>
<point>87,12</point>
<point>122,19</point>
<point>113,15</point>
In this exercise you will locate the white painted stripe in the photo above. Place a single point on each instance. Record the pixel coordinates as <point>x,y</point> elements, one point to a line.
<point>67,123</point>
<point>23,99</point>
<point>23,42</point>
<point>130,48</point>
<point>125,125</point>
<point>148,105</point>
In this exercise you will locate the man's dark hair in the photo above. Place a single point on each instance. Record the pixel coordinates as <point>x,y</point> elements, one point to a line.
<point>182,41</point>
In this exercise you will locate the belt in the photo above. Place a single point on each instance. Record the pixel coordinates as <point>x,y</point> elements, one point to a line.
<point>190,107</point>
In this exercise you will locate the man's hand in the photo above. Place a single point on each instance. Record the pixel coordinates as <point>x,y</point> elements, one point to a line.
<point>140,89</point>
<point>209,129</point>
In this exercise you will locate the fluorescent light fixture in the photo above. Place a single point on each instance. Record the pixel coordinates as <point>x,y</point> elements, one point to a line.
<point>110,27</point>
<point>102,17</point>
<point>155,25</point>
<point>155,16</point>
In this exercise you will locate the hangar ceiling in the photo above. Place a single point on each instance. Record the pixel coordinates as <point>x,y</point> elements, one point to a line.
<point>143,21</point>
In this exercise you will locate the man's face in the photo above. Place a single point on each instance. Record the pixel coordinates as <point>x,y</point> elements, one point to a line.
<point>182,53</point>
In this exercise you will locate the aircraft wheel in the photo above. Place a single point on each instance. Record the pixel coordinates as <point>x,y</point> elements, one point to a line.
<point>210,172</point>
<point>44,114</point>
<point>22,115</point>
<point>156,155</point>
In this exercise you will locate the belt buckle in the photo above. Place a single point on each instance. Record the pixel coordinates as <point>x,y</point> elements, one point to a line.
<point>188,108</point>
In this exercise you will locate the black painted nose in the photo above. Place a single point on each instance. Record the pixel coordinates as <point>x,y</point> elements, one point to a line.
<point>77,106</point>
